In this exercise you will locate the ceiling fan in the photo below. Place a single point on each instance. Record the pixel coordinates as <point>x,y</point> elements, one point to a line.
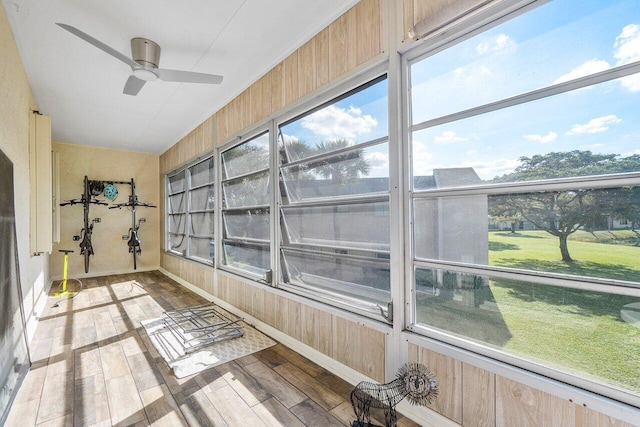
<point>146,57</point>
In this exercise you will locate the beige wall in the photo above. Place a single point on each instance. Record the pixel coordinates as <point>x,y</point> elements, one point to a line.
<point>111,252</point>
<point>16,101</point>
<point>470,394</point>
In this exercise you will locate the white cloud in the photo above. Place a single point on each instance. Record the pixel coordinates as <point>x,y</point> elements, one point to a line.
<point>542,139</point>
<point>336,122</point>
<point>422,164</point>
<point>626,50</point>
<point>486,170</point>
<point>379,163</point>
<point>597,125</point>
<point>289,138</point>
<point>627,45</point>
<point>590,67</point>
<point>448,136</point>
<point>497,43</point>
<point>491,169</point>
<point>473,76</point>
<point>631,83</point>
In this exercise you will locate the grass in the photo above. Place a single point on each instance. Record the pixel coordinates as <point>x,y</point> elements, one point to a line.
<point>572,330</point>
<point>539,250</point>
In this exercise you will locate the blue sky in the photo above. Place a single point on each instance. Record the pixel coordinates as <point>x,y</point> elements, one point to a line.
<point>532,51</point>
<point>359,118</point>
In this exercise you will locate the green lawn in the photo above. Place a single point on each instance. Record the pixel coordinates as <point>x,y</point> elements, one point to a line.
<point>539,250</point>
<point>572,330</point>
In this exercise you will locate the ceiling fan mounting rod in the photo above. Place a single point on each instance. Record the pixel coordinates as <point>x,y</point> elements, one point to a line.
<point>145,52</point>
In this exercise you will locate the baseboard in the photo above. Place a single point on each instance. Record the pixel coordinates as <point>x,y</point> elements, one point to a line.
<point>108,273</point>
<point>420,415</point>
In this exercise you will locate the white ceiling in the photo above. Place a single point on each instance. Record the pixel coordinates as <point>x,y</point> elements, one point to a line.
<point>80,86</point>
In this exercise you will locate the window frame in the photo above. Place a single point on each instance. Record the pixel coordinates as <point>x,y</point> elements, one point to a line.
<point>230,144</point>
<point>467,27</point>
<point>343,90</point>
<point>169,214</point>
<point>188,211</point>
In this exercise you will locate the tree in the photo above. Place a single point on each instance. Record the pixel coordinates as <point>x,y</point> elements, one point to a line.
<point>562,213</point>
<point>342,168</point>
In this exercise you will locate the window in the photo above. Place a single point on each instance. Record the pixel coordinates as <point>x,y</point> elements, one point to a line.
<point>523,174</point>
<point>190,211</point>
<point>177,213</point>
<point>334,193</point>
<point>201,210</point>
<point>246,202</point>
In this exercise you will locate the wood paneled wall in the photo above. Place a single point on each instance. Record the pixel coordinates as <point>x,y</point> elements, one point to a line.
<point>198,274</point>
<point>195,144</point>
<point>475,397</point>
<point>350,343</point>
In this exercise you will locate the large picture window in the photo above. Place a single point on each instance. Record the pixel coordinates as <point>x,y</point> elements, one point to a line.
<point>190,211</point>
<point>525,198</point>
<point>246,198</point>
<point>334,193</point>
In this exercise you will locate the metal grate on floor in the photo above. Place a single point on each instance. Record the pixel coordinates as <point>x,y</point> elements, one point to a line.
<point>200,326</point>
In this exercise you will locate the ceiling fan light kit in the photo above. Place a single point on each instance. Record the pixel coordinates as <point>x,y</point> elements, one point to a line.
<point>145,63</point>
<point>144,74</point>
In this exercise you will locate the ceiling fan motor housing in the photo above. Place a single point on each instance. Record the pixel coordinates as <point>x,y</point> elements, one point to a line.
<point>145,52</point>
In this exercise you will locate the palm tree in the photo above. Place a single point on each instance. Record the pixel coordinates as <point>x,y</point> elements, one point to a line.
<point>342,168</point>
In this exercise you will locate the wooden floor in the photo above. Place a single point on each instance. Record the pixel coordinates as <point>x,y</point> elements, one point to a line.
<point>93,365</point>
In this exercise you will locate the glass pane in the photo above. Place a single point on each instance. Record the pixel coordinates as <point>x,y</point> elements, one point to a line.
<point>250,258</point>
<point>202,199</point>
<point>346,226</point>
<point>252,224</point>
<point>355,172</point>
<point>202,224</point>
<point>177,223</point>
<point>558,41</point>
<point>176,203</point>
<point>176,183</point>
<point>202,173</point>
<point>201,248</point>
<point>586,132</point>
<point>585,333</point>
<point>359,117</point>
<point>245,192</point>
<point>582,232</point>
<point>451,228</point>
<point>366,280</point>
<point>246,158</point>
<point>177,242</point>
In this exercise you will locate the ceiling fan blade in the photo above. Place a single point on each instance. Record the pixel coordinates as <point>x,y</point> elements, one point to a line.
<point>97,43</point>
<point>188,76</point>
<point>133,85</point>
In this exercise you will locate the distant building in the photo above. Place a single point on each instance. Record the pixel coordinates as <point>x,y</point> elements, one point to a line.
<point>456,228</point>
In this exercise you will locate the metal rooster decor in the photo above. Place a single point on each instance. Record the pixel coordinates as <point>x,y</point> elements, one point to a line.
<point>413,381</point>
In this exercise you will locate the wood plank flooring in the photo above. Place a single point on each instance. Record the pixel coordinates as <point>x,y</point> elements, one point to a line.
<point>93,365</point>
